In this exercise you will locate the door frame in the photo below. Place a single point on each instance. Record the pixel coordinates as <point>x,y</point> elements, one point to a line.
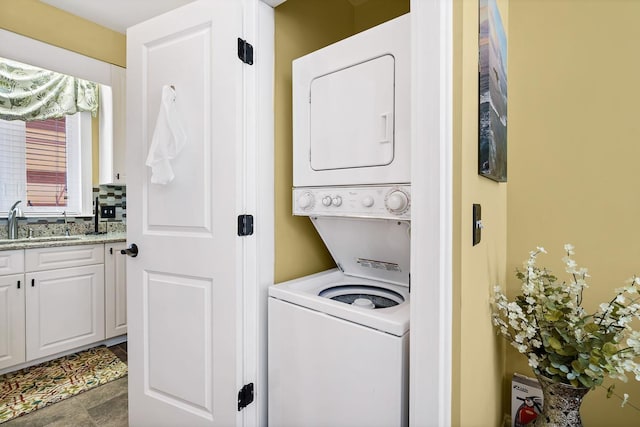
<point>432,213</point>
<point>258,251</point>
<point>432,222</point>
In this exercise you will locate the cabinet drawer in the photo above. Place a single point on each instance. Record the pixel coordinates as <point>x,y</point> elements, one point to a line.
<point>11,262</point>
<point>63,257</point>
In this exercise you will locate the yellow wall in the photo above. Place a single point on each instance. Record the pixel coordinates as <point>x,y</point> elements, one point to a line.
<point>374,12</point>
<point>478,362</point>
<point>301,27</point>
<point>574,132</point>
<point>48,24</point>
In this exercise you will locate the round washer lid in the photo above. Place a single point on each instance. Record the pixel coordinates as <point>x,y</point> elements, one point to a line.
<point>363,296</point>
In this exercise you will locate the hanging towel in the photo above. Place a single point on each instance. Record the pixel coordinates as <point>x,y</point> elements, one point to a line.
<point>168,139</point>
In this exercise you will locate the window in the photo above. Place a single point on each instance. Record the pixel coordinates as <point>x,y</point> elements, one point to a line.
<point>46,161</point>
<point>30,51</point>
<point>42,163</point>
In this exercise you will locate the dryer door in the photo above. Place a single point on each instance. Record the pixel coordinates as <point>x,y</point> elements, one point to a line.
<point>352,116</point>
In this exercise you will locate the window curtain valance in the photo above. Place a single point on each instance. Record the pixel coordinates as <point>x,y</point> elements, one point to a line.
<point>30,93</point>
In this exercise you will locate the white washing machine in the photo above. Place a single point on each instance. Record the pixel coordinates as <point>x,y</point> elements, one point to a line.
<point>352,108</point>
<point>339,339</point>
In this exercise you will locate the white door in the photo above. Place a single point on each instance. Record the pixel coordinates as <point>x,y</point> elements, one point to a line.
<point>184,286</point>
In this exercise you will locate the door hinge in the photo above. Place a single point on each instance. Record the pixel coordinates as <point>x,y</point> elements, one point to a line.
<point>245,51</point>
<point>245,396</point>
<point>245,225</point>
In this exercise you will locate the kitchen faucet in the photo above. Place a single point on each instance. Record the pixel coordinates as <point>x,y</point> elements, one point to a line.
<point>12,221</point>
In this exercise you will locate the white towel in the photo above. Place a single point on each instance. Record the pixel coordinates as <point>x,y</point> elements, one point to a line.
<point>168,139</point>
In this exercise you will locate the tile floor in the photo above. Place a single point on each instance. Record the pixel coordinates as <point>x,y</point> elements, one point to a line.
<point>104,406</point>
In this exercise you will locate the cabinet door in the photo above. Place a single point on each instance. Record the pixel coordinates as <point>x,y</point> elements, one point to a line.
<point>65,309</point>
<point>118,84</point>
<point>113,129</point>
<point>11,320</point>
<point>115,290</point>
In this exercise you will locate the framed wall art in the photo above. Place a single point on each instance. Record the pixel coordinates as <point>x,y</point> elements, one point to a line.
<point>492,140</point>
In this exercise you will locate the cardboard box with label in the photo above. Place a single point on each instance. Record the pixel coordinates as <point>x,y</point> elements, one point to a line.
<point>526,400</point>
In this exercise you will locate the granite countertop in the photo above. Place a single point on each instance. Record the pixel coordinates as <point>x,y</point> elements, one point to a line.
<point>55,241</point>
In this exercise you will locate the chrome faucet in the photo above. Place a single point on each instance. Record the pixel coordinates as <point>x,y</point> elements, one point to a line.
<point>12,221</point>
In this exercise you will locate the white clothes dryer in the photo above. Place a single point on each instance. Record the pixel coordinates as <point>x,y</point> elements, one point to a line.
<point>351,110</point>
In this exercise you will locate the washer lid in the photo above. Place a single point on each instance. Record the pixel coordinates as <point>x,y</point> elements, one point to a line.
<point>363,296</point>
<point>373,248</point>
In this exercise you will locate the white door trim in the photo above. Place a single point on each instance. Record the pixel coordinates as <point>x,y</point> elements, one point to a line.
<point>259,248</point>
<point>432,213</point>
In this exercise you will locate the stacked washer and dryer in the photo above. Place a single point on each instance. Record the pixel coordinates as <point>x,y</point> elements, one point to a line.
<point>339,339</point>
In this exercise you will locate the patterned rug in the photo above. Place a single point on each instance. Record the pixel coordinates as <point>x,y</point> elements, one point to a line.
<point>35,387</point>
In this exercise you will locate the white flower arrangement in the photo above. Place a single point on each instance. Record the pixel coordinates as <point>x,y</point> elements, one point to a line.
<point>560,338</point>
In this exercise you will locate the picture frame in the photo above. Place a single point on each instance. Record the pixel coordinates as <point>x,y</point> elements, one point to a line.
<point>492,88</point>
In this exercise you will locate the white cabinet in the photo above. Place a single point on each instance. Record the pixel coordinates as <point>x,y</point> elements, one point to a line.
<point>12,320</point>
<point>60,298</point>
<point>113,129</point>
<point>64,298</point>
<point>115,290</point>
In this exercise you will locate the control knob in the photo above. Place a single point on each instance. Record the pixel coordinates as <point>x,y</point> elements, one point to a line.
<point>326,200</point>
<point>367,201</point>
<point>337,201</point>
<point>397,201</point>
<point>305,201</point>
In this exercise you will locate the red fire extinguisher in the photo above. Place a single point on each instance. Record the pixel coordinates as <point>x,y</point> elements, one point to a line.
<point>528,411</point>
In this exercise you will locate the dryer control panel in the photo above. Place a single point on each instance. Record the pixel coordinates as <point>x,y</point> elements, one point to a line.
<point>389,201</point>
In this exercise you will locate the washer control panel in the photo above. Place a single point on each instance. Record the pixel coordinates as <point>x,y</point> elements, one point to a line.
<point>367,201</point>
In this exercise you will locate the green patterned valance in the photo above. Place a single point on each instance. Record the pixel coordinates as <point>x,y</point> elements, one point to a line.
<point>30,93</point>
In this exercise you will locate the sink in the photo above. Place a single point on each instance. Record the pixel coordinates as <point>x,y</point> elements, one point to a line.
<point>38,239</point>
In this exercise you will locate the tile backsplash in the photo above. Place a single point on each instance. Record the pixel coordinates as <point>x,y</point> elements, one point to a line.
<point>55,226</point>
<point>115,196</point>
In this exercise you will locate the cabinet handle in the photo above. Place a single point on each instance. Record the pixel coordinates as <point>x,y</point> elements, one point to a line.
<point>111,251</point>
<point>18,284</point>
<point>33,282</point>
